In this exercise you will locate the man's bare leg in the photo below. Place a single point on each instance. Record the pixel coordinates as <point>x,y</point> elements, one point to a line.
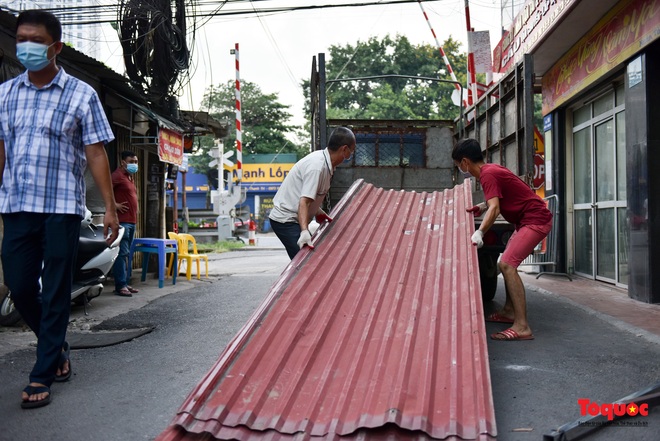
<point>515,290</point>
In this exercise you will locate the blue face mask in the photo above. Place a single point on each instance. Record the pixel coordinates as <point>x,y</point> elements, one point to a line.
<point>132,168</point>
<point>34,56</point>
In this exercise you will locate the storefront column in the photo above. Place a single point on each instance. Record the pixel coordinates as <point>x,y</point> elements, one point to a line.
<point>643,155</point>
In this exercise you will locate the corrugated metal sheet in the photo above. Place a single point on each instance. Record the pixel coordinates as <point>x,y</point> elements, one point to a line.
<point>377,333</point>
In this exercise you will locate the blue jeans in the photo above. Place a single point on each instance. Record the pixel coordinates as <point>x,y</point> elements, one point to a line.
<point>120,268</point>
<point>30,241</point>
<point>288,233</point>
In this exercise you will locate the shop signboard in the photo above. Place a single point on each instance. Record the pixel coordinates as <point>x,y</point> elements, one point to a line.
<point>265,173</point>
<point>170,146</point>
<point>630,26</point>
<point>534,20</point>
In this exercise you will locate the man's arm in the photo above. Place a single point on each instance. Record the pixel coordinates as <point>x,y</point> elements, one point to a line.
<point>97,161</point>
<point>491,214</point>
<point>303,212</point>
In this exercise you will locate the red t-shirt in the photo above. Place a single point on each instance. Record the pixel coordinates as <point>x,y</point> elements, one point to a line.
<point>519,205</point>
<point>124,189</point>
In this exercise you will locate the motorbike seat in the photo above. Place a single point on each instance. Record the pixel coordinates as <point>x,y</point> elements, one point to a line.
<point>90,245</point>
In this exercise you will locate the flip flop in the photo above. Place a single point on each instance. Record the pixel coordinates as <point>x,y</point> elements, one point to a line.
<point>510,335</point>
<point>131,289</point>
<point>64,358</point>
<point>33,390</point>
<point>496,317</point>
<point>124,292</point>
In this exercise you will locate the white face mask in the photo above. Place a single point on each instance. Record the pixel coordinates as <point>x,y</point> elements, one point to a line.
<point>466,174</point>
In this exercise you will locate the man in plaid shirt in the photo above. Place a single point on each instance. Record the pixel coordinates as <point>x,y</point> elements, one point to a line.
<point>52,126</point>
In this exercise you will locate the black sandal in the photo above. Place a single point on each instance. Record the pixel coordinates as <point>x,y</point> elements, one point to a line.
<point>33,390</point>
<point>63,359</point>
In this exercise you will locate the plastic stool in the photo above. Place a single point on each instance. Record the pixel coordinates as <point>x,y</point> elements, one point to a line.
<point>161,247</point>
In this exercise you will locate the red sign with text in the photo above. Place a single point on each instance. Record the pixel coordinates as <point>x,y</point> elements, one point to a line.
<point>624,31</point>
<point>170,146</point>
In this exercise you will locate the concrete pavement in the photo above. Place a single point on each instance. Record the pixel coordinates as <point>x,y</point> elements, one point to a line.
<point>108,305</point>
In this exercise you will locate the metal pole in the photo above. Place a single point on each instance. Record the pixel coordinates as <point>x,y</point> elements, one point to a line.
<point>239,138</point>
<point>444,56</point>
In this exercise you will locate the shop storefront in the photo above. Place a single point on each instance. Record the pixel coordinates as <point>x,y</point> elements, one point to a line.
<point>599,86</point>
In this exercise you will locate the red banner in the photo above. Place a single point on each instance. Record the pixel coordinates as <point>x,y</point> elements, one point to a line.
<point>627,28</point>
<point>170,146</point>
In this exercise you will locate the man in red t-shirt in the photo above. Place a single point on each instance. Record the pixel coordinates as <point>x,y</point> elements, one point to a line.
<point>506,194</point>
<point>123,186</point>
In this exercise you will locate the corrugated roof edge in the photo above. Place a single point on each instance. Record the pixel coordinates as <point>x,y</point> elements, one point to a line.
<point>188,413</point>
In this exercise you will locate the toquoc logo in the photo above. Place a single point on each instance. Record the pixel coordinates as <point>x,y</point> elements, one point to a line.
<point>610,410</point>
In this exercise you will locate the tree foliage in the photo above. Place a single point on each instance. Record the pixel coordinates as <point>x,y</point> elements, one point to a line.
<point>263,122</point>
<point>392,98</point>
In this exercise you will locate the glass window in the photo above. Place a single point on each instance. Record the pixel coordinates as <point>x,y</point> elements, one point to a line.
<point>582,166</point>
<point>620,95</point>
<point>603,104</point>
<point>365,150</point>
<point>605,245</point>
<point>605,167</point>
<point>621,156</point>
<point>581,115</point>
<point>413,150</point>
<point>583,262</point>
<point>390,150</point>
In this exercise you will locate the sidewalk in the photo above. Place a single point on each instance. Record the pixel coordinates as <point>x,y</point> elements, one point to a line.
<point>108,305</point>
<point>608,302</point>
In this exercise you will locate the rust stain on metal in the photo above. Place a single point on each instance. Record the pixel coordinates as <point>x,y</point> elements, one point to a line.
<point>377,333</point>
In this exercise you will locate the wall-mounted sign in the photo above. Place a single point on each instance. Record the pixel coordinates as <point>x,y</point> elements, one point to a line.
<point>170,146</point>
<point>635,72</point>
<point>630,26</point>
<point>533,21</point>
<point>265,172</point>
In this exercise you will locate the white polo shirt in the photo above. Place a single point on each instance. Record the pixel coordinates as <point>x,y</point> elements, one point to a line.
<point>310,177</point>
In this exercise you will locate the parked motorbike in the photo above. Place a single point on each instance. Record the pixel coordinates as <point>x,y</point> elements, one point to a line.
<point>93,262</point>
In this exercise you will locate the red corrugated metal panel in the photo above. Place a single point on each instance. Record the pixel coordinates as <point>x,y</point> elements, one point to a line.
<point>376,333</point>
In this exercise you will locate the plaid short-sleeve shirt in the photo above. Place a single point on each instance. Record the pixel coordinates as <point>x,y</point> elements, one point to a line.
<point>45,132</point>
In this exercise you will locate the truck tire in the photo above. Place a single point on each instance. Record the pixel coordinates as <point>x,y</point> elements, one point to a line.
<point>9,316</point>
<point>488,275</point>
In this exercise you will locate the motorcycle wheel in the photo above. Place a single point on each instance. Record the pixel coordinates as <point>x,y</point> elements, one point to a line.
<point>9,316</point>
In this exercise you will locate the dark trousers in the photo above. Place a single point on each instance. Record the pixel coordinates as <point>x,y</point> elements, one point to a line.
<point>119,269</point>
<point>41,245</point>
<point>288,233</point>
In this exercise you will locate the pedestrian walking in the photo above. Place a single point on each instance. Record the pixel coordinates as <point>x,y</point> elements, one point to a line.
<point>52,126</point>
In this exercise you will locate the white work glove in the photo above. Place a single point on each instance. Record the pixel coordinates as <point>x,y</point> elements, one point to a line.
<point>305,239</point>
<point>478,239</point>
<point>478,209</point>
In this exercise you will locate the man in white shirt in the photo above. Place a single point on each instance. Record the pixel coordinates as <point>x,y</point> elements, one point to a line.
<point>301,194</point>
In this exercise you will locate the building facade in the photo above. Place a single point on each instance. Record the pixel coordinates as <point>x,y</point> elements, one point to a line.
<point>596,64</point>
<point>82,37</point>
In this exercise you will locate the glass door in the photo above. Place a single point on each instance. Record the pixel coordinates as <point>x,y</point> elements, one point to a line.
<point>599,189</point>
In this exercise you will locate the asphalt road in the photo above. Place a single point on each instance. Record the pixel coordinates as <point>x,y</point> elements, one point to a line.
<point>537,384</point>
<point>132,390</point>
